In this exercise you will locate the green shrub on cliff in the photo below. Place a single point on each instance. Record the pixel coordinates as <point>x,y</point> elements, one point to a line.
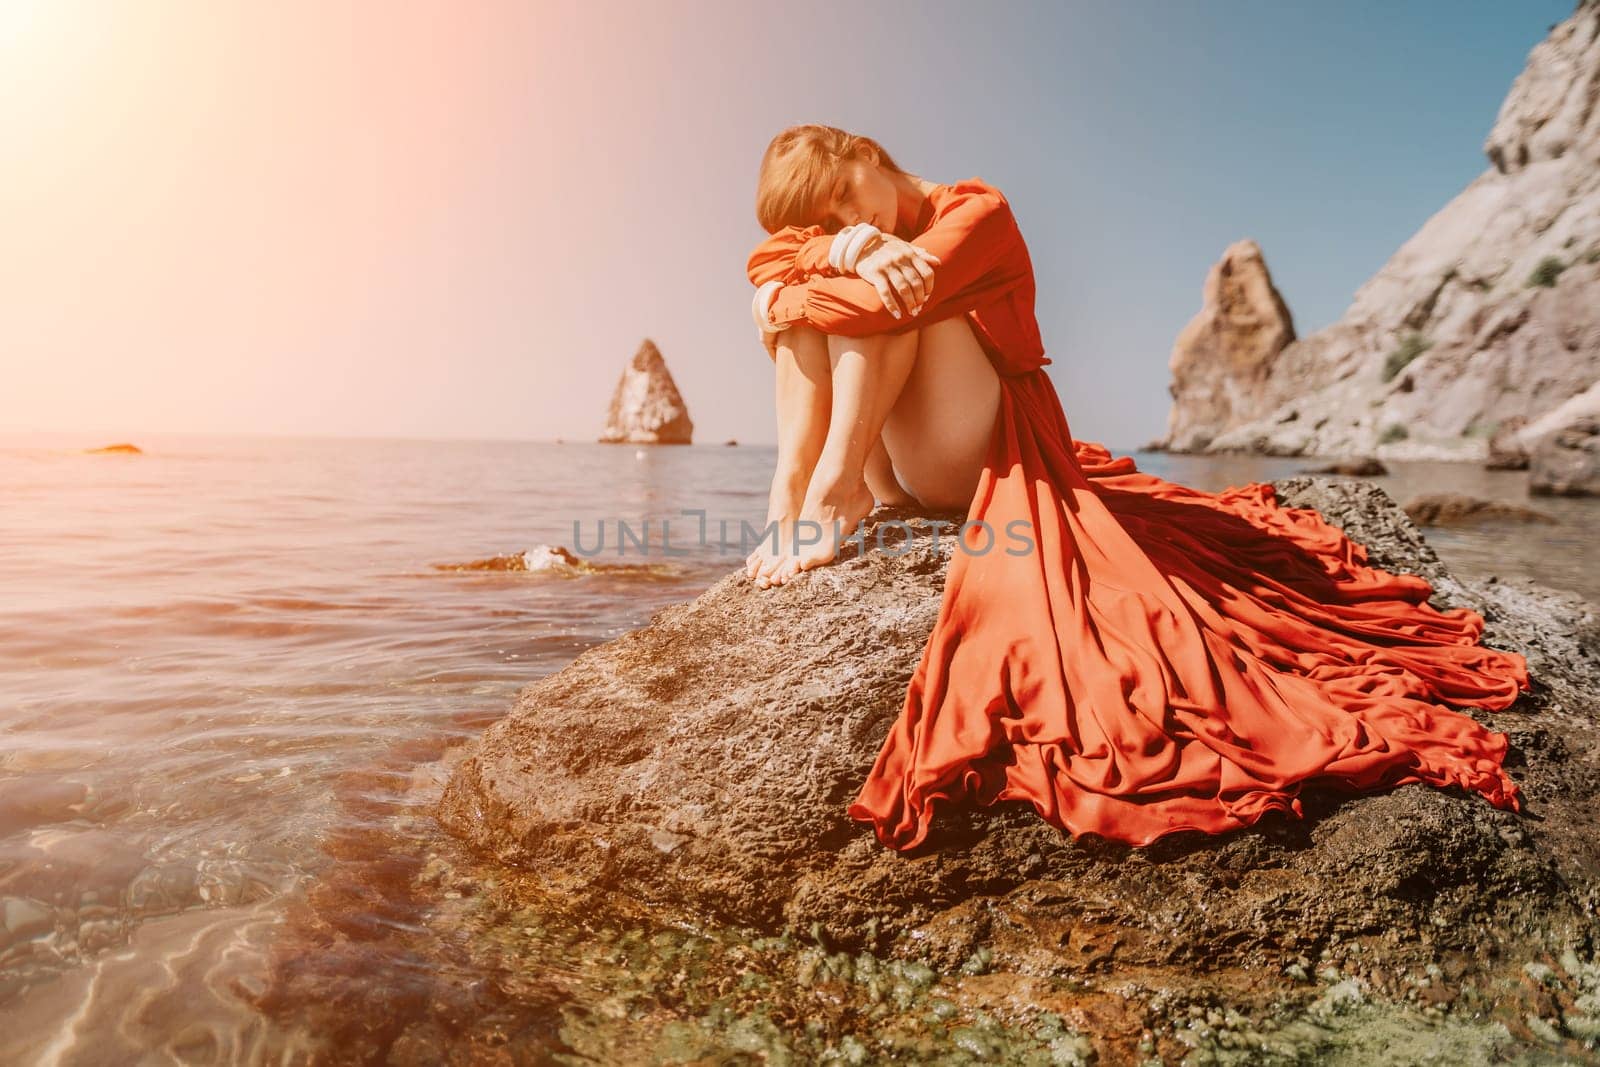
<point>1411,346</point>
<point>1394,432</point>
<point>1546,273</point>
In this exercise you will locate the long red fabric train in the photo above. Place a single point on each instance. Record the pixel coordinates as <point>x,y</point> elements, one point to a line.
<point>1162,658</point>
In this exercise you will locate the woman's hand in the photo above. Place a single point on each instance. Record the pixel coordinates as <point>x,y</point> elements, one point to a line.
<point>900,271</point>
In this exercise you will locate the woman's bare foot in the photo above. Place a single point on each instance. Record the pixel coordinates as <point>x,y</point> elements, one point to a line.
<point>760,565</point>
<point>783,507</point>
<point>837,505</point>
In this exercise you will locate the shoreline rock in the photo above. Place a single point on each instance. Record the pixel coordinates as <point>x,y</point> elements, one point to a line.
<point>702,765</point>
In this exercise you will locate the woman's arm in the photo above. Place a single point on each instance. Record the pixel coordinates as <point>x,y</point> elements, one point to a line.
<point>791,255</point>
<point>974,235</point>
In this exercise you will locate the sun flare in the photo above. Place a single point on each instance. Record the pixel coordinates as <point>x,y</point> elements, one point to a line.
<point>19,21</point>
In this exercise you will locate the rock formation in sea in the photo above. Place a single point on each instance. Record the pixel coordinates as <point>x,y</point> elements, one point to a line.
<point>703,764</point>
<point>1489,313</point>
<point>1222,358</point>
<point>646,407</point>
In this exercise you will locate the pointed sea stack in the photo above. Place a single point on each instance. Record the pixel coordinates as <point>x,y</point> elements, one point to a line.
<point>646,407</point>
<point>1227,350</point>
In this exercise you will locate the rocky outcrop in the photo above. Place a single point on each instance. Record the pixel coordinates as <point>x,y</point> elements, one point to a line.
<point>1488,313</point>
<point>1507,450</point>
<point>1567,463</point>
<point>1222,358</point>
<point>704,763</point>
<point>646,407</point>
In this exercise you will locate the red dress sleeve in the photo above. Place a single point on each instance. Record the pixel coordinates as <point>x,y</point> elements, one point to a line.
<point>792,255</point>
<point>973,232</point>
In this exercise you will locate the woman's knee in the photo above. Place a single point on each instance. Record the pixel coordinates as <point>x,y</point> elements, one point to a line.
<point>908,342</point>
<point>803,348</point>
<point>955,330</point>
<point>802,336</point>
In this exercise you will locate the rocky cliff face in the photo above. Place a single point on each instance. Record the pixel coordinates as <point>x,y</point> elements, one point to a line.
<point>646,407</point>
<point>704,763</point>
<point>1491,312</point>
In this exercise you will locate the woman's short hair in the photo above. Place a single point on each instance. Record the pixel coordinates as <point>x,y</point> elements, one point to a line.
<point>797,172</point>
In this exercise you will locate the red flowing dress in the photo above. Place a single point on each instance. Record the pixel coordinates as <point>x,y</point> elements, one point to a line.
<point>1163,658</point>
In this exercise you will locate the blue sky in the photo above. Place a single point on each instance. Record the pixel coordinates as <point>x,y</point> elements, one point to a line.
<point>440,220</point>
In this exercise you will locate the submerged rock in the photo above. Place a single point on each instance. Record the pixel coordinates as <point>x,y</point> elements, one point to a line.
<point>1458,509</point>
<point>646,407</point>
<point>703,764</point>
<point>1365,467</point>
<point>537,558</point>
<point>556,561</point>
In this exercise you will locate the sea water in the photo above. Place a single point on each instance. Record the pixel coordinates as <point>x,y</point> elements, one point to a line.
<point>230,667</point>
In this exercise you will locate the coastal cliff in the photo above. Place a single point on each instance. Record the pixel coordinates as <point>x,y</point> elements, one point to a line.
<point>702,765</point>
<point>1487,320</point>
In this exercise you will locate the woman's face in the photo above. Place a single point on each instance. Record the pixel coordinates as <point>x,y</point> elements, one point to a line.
<point>860,192</point>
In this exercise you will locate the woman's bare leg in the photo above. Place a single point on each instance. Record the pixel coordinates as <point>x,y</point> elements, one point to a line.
<point>804,400</point>
<point>939,429</point>
<point>928,448</point>
<point>883,481</point>
<point>804,397</point>
<point>868,374</point>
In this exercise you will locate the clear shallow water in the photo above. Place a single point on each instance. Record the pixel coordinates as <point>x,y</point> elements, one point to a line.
<point>228,666</point>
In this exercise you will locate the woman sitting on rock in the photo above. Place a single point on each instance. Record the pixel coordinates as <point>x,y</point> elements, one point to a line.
<point>1158,658</point>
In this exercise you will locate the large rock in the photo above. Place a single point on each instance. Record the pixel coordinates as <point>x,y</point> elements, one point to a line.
<point>1226,352</point>
<point>1567,463</point>
<point>704,763</point>
<point>1488,313</point>
<point>646,407</point>
<point>1507,450</point>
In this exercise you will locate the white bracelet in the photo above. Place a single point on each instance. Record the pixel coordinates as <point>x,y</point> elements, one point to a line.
<point>847,245</point>
<point>864,232</point>
<point>836,250</point>
<point>761,306</point>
